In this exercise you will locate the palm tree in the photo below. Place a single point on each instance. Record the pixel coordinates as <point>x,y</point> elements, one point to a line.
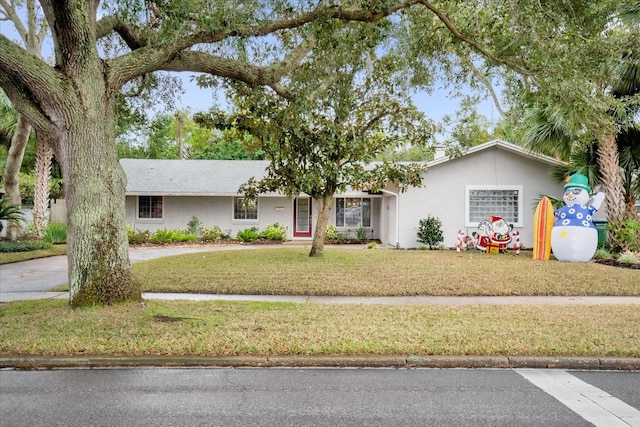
<point>9,212</point>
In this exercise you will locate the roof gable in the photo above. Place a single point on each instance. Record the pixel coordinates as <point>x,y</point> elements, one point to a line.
<point>503,145</point>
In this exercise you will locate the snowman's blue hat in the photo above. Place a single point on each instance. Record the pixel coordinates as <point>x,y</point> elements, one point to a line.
<point>578,181</point>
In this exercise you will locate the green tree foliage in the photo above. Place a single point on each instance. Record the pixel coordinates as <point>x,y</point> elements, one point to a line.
<point>349,108</point>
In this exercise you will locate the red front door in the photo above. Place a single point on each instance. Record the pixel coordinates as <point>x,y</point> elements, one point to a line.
<point>302,217</point>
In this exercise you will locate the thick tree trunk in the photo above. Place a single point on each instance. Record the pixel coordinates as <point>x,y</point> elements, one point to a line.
<point>612,183</point>
<point>95,183</point>
<point>324,209</point>
<point>12,172</point>
<point>41,193</point>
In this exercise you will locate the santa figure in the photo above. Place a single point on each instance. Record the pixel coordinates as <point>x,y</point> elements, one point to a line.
<point>494,234</point>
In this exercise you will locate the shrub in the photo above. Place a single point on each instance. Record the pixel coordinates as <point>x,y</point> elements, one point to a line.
<point>167,236</point>
<point>276,232</point>
<point>629,234</point>
<point>30,245</point>
<point>430,231</point>
<point>138,237</point>
<point>56,232</point>
<point>602,254</point>
<point>194,226</point>
<point>361,233</point>
<point>629,258</point>
<point>332,233</point>
<point>10,212</point>
<point>211,234</point>
<point>248,235</point>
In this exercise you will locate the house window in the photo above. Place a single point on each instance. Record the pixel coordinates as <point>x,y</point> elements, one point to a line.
<point>353,212</point>
<point>150,207</point>
<point>244,208</point>
<point>501,200</point>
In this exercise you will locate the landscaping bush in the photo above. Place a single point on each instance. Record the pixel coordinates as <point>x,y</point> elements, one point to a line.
<point>276,232</point>
<point>164,236</point>
<point>629,258</point>
<point>137,237</point>
<point>211,234</point>
<point>248,235</point>
<point>430,231</point>
<point>194,226</point>
<point>332,233</point>
<point>10,212</point>
<point>629,234</point>
<point>56,232</point>
<point>26,246</point>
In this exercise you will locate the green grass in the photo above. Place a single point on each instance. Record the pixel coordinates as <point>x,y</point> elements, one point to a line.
<point>218,328</point>
<point>9,257</point>
<point>50,327</point>
<point>359,272</point>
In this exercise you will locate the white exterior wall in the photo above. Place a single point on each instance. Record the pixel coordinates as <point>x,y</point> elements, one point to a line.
<point>211,210</point>
<point>443,194</point>
<point>218,210</point>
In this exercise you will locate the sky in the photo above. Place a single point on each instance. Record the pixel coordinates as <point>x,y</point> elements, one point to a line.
<point>435,105</point>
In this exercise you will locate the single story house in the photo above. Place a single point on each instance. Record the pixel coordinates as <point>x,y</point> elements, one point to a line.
<point>494,178</point>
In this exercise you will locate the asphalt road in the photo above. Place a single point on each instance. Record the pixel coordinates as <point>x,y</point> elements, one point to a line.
<point>318,397</point>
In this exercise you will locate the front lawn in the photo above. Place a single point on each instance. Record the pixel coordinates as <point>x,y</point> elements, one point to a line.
<point>380,272</point>
<point>210,328</point>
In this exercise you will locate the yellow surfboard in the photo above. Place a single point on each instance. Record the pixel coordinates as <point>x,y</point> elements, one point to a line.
<point>543,220</point>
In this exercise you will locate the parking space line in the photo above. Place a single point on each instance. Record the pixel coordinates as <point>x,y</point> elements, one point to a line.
<point>594,405</point>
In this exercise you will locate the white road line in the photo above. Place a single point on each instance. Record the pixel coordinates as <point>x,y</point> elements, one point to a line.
<point>594,405</point>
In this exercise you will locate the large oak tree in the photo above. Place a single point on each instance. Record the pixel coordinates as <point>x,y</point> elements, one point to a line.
<point>70,103</point>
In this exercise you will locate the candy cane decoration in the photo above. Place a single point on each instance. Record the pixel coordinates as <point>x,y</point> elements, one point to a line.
<point>460,240</point>
<point>516,241</point>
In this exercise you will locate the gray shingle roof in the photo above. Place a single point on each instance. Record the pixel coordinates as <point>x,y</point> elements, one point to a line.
<point>189,177</point>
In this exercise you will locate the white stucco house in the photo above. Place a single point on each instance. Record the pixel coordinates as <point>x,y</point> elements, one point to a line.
<point>495,178</point>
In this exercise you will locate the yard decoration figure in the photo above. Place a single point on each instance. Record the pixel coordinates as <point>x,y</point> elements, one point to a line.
<point>464,241</point>
<point>574,238</point>
<point>494,236</point>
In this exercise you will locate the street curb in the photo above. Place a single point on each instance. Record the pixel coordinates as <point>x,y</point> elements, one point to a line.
<point>486,362</point>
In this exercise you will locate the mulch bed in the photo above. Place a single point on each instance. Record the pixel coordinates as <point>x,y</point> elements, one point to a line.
<point>615,263</point>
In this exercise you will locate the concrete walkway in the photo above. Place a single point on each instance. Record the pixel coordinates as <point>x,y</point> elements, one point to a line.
<point>33,279</point>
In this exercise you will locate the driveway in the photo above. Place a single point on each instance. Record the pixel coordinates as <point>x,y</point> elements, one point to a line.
<point>34,278</point>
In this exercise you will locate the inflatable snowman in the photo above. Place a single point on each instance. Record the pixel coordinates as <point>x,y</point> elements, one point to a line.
<point>574,238</point>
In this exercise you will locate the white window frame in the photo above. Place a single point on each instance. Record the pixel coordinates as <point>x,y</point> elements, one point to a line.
<point>140,218</point>
<point>244,220</point>
<point>335,210</point>
<point>469,188</point>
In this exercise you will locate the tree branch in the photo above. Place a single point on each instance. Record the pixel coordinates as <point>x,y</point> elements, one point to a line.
<point>28,81</point>
<point>486,83</point>
<point>475,45</point>
<point>107,24</point>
